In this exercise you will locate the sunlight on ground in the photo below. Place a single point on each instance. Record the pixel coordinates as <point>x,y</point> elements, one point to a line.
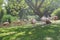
<point>57,21</point>
<point>48,38</point>
<point>5,34</point>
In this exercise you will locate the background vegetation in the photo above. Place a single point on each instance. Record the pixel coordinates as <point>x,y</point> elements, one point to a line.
<point>13,10</point>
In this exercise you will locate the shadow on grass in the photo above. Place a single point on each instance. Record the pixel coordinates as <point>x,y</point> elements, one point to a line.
<point>33,33</point>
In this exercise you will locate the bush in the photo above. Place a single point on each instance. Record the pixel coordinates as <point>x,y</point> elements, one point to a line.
<point>56,13</point>
<point>6,18</point>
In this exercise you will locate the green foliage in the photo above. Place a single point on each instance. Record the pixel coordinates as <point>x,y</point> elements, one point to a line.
<point>56,13</point>
<point>1,1</point>
<point>1,14</point>
<point>30,7</point>
<point>13,18</point>
<point>14,13</point>
<point>17,8</point>
<point>6,17</point>
<point>33,17</point>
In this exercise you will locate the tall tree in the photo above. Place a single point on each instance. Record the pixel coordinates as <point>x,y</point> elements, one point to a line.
<point>41,7</point>
<point>1,11</point>
<point>35,7</point>
<point>1,1</point>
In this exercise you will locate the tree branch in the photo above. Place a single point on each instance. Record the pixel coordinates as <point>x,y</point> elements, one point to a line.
<point>40,4</point>
<point>31,3</point>
<point>36,3</point>
<point>28,3</point>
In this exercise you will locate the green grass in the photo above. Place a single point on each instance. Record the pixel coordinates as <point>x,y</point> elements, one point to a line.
<point>27,32</point>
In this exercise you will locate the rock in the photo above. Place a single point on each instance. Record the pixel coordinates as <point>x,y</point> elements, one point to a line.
<point>6,24</point>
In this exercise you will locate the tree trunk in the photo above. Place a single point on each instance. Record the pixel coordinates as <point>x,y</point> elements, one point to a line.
<point>37,12</point>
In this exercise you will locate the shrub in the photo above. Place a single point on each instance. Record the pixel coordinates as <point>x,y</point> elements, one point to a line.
<point>56,13</point>
<point>6,18</point>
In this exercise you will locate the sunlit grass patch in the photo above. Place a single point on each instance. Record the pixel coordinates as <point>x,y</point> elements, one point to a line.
<point>27,32</point>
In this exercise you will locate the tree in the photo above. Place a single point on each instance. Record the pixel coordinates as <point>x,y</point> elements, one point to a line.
<point>1,1</point>
<point>41,7</point>
<point>56,13</point>
<point>1,11</point>
<point>35,7</point>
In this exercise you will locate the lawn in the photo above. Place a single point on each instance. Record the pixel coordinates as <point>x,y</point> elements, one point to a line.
<point>38,32</point>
